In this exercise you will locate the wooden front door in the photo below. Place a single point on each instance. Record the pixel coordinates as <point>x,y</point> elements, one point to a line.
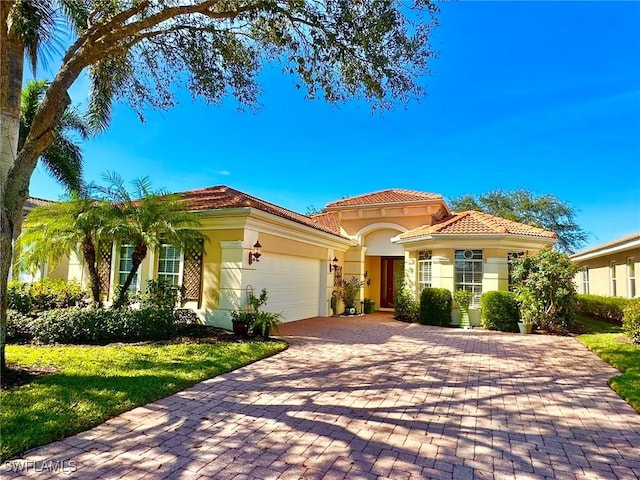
<point>391,275</point>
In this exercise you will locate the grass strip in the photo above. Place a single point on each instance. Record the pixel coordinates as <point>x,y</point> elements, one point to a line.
<point>617,349</point>
<point>93,384</point>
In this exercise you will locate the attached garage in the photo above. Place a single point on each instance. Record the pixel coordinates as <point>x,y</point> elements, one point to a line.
<point>293,284</point>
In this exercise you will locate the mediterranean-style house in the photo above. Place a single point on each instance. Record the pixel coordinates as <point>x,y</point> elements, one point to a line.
<point>383,239</point>
<point>610,269</point>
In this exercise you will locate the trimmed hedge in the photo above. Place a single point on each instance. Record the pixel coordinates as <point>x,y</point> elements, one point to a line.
<point>435,306</point>
<point>405,307</point>
<point>46,294</point>
<point>18,326</point>
<point>94,326</point>
<point>631,321</point>
<point>499,311</point>
<point>607,308</point>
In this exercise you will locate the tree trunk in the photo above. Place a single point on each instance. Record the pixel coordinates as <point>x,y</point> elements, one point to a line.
<point>138,255</point>
<point>11,69</point>
<point>89,253</point>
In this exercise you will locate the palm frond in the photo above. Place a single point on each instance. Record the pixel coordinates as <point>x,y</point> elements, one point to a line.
<point>108,76</point>
<point>74,120</point>
<point>76,13</point>
<point>30,100</point>
<point>35,21</point>
<point>63,160</point>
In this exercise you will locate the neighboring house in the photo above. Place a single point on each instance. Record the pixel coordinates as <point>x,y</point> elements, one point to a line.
<point>383,238</point>
<point>24,275</point>
<point>610,269</point>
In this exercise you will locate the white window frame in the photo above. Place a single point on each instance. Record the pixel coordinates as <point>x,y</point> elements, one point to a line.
<point>632,290</point>
<point>585,280</point>
<point>469,263</point>
<point>180,259</point>
<point>425,270</point>
<point>122,274</point>
<point>613,284</point>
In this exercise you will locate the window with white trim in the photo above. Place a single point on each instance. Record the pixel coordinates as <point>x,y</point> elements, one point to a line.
<point>169,261</point>
<point>631,270</point>
<point>468,273</point>
<point>613,290</point>
<point>124,267</point>
<point>585,280</point>
<point>511,258</point>
<point>424,269</point>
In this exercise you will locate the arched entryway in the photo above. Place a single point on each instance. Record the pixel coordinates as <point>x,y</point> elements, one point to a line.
<point>384,263</point>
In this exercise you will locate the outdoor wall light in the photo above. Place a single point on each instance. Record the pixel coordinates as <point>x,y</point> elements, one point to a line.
<point>333,265</point>
<point>255,255</point>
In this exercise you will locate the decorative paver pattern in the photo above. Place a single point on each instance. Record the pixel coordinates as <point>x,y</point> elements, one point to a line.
<point>369,397</point>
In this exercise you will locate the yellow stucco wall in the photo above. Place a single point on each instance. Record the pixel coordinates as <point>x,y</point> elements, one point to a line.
<point>600,274</point>
<point>211,264</point>
<point>61,270</point>
<point>372,266</point>
<point>352,227</point>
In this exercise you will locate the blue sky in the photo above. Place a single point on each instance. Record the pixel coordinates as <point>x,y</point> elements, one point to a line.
<point>537,95</point>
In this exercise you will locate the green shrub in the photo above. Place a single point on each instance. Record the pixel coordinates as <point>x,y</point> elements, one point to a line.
<point>162,294</point>
<point>499,311</point>
<point>607,308</point>
<point>43,295</point>
<point>151,324</point>
<point>435,306</point>
<point>546,290</point>
<point>631,322</point>
<point>18,326</point>
<point>405,306</point>
<point>94,326</point>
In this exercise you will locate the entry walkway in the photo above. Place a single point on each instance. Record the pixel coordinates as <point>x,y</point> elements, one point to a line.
<point>369,397</point>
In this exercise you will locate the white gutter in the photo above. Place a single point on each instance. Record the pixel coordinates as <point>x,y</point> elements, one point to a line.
<point>466,236</point>
<point>579,257</point>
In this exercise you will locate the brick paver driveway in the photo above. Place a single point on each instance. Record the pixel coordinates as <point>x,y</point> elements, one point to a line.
<point>369,397</point>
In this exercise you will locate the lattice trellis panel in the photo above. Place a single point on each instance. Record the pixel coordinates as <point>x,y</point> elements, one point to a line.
<point>192,274</point>
<point>104,270</point>
<point>337,276</point>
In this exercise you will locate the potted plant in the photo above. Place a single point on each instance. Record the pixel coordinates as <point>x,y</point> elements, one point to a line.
<point>369,305</point>
<point>266,322</point>
<point>463,299</point>
<point>334,303</point>
<point>241,322</point>
<point>349,293</point>
<point>528,310</point>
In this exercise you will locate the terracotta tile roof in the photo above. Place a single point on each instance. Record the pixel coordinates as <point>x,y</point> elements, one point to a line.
<point>477,223</point>
<point>329,220</point>
<point>384,197</point>
<point>33,202</point>
<point>613,243</point>
<point>221,196</point>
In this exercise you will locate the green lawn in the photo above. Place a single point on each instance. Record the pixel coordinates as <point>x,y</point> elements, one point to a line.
<point>615,348</point>
<point>96,383</point>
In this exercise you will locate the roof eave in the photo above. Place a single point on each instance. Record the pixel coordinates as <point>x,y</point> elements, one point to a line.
<point>466,236</point>
<point>601,252</point>
<point>388,204</point>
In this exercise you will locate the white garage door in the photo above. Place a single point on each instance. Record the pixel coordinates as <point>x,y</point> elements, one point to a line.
<point>293,284</point>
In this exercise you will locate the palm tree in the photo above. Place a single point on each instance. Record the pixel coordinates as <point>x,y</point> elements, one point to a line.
<point>145,221</point>
<point>27,29</point>
<point>51,232</point>
<point>63,159</point>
